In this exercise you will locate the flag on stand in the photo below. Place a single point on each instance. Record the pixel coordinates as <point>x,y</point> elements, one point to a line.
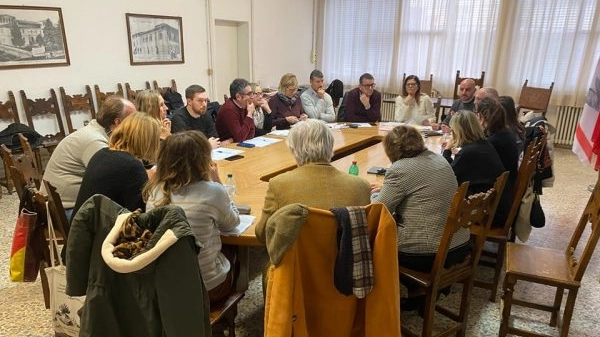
<point>587,136</point>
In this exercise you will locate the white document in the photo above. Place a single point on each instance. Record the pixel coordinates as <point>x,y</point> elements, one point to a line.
<point>283,133</point>
<point>262,141</point>
<point>388,126</point>
<point>245,222</point>
<point>223,152</point>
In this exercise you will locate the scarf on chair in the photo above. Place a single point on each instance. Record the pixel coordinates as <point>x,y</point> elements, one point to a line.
<point>353,271</point>
<point>288,101</point>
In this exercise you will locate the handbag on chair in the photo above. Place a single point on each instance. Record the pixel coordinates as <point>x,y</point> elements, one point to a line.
<point>24,264</point>
<point>63,308</point>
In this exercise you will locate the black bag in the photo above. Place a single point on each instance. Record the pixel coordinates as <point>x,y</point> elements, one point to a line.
<point>537,218</point>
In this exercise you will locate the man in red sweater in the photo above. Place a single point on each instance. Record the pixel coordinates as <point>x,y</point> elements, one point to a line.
<point>234,120</point>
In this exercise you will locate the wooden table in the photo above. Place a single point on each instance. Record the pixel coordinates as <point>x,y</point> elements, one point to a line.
<point>253,172</point>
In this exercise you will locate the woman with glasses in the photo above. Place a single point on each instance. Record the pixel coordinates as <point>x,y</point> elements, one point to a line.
<point>263,119</point>
<point>413,106</point>
<point>286,105</point>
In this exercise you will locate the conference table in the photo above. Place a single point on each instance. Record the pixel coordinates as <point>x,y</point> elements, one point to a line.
<point>259,164</point>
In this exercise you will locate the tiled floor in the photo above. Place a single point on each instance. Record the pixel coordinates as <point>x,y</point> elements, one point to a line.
<point>23,313</point>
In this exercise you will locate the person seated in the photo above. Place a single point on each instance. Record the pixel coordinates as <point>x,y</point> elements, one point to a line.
<point>193,115</point>
<point>285,105</point>
<point>363,104</point>
<point>187,177</point>
<point>492,117</point>
<point>263,119</point>
<point>315,183</point>
<point>151,102</point>
<point>467,89</point>
<point>475,159</point>
<point>513,121</point>
<point>72,155</point>
<point>315,101</point>
<point>413,106</point>
<point>418,189</point>
<point>234,120</point>
<point>483,93</point>
<point>336,91</point>
<point>117,171</point>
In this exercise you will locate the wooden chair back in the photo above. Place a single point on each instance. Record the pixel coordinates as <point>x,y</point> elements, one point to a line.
<point>34,155</point>
<point>77,104</point>
<point>8,109</point>
<point>163,90</point>
<point>533,98</point>
<point>131,92</point>
<point>7,161</point>
<point>57,211</point>
<point>42,108</point>
<point>101,96</point>
<point>426,85</point>
<point>478,82</point>
<point>476,213</point>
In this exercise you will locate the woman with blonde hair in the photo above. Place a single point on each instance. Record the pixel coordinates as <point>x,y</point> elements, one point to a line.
<point>153,103</point>
<point>417,189</point>
<point>187,177</point>
<point>475,159</point>
<point>263,119</point>
<point>286,105</point>
<point>117,171</point>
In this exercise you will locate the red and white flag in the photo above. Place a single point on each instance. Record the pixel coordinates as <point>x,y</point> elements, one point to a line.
<point>587,136</point>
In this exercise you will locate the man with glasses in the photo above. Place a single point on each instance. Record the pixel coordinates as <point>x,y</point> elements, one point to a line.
<point>193,116</point>
<point>363,104</point>
<point>234,120</point>
<point>315,101</point>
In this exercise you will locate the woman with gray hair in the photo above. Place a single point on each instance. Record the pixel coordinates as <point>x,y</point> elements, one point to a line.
<point>314,183</point>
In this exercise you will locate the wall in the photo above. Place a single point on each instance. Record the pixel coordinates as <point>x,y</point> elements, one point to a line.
<point>97,40</point>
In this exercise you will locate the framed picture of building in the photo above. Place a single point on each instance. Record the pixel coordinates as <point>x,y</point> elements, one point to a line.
<point>32,37</point>
<point>154,39</point>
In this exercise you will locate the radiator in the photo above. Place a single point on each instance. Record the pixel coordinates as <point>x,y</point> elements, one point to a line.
<point>566,124</point>
<point>387,106</point>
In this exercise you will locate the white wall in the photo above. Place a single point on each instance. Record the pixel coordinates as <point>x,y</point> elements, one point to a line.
<point>97,40</point>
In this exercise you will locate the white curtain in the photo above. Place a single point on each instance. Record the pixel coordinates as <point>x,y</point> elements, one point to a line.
<point>543,41</point>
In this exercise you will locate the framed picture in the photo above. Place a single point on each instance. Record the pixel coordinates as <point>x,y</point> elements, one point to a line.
<point>154,39</point>
<point>32,37</point>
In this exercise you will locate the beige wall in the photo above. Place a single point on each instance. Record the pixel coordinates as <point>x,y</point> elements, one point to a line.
<point>96,34</point>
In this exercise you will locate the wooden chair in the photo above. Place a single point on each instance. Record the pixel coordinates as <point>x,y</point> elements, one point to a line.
<point>43,108</point>
<point>77,104</point>
<point>426,85</point>
<point>8,114</point>
<point>163,90</point>
<point>131,92</point>
<point>7,160</point>
<point>101,96</point>
<point>500,235</point>
<point>225,311</point>
<point>560,269</point>
<point>21,169</point>
<point>36,165</point>
<point>475,211</point>
<point>57,211</point>
<point>478,82</point>
<point>533,98</point>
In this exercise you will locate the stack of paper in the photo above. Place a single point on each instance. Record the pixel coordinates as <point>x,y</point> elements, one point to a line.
<point>223,152</point>
<point>245,222</point>
<point>262,141</point>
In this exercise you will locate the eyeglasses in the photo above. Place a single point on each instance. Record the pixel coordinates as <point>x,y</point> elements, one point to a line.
<point>258,93</point>
<point>410,84</point>
<point>247,94</point>
<point>368,86</point>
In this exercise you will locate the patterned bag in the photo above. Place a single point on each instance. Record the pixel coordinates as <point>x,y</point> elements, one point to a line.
<point>63,308</point>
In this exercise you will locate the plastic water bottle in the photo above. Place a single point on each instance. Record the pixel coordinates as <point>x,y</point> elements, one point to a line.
<point>353,168</point>
<point>230,186</point>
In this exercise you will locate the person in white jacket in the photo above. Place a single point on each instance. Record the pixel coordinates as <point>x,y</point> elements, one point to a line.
<point>413,106</point>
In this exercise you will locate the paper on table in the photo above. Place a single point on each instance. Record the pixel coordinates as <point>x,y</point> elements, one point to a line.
<point>262,141</point>
<point>223,152</point>
<point>363,125</point>
<point>388,126</point>
<point>283,133</point>
<point>245,222</point>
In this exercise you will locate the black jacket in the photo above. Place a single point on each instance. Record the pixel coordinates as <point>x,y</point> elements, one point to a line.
<point>166,297</point>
